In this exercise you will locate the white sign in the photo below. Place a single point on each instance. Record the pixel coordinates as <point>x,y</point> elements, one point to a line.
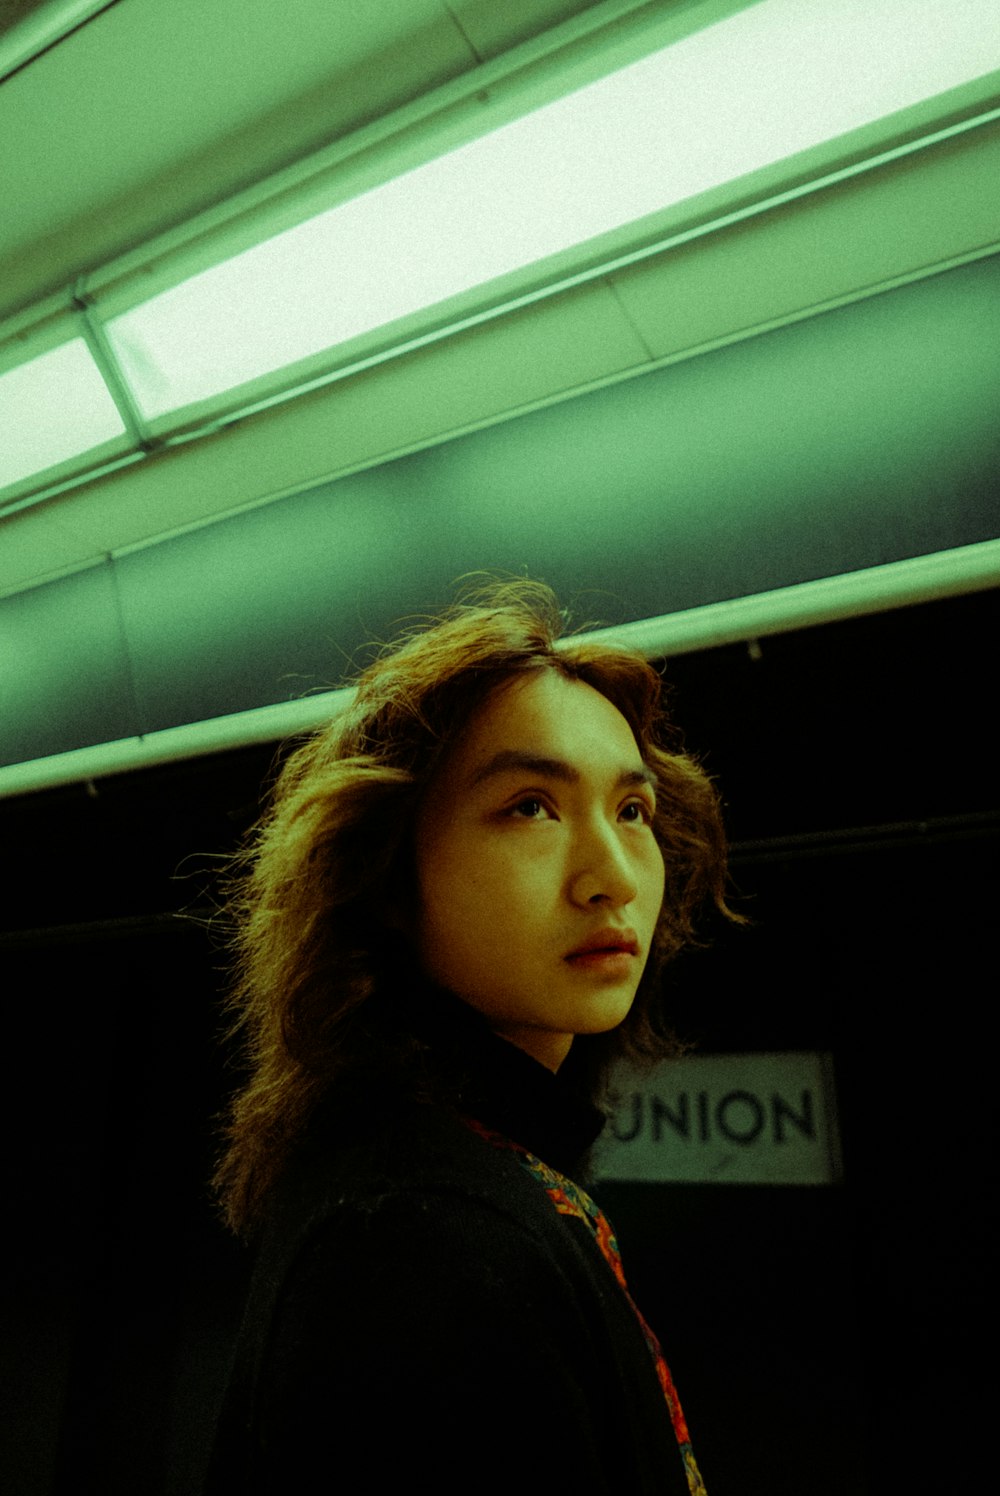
<point>724,1119</point>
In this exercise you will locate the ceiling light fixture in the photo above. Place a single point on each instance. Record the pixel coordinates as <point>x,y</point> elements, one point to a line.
<point>762,85</point>
<point>53,408</point>
<point>764,104</point>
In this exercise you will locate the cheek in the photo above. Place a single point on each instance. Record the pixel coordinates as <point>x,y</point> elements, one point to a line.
<point>464,928</point>
<point>655,878</point>
<point>453,887</point>
<point>482,893</point>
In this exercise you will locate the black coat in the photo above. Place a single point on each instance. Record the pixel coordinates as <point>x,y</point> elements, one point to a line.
<point>420,1313</point>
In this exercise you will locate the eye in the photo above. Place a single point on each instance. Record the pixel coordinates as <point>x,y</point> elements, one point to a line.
<point>637,812</point>
<point>531,808</point>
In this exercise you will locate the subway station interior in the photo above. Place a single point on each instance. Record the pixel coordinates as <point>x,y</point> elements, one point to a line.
<point>308,313</point>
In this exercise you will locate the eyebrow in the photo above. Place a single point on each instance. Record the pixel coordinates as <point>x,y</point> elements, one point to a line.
<point>512,759</point>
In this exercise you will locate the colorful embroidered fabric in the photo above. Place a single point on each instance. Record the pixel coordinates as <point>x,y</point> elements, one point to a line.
<point>569,1199</point>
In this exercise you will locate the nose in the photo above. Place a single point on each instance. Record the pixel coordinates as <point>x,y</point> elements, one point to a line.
<point>602,872</point>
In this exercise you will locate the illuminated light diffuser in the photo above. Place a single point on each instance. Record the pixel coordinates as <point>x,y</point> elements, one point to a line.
<point>52,408</point>
<point>762,85</point>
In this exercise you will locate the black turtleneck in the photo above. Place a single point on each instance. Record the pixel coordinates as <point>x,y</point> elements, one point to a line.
<point>489,1078</point>
<point>421,1312</point>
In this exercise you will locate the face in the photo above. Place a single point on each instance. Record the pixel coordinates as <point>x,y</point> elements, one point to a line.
<point>539,878</point>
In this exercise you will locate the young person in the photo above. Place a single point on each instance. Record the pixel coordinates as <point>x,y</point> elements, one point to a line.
<point>452,919</point>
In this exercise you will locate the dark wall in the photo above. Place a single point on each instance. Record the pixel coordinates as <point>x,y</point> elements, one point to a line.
<point>807,1328</point>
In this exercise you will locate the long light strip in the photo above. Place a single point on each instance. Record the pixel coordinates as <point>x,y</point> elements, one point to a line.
<point>54,407</point>
<point>969,568</point>
<point>751,90</point>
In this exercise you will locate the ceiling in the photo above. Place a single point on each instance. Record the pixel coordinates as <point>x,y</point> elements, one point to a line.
<point>150,113</point>
<point>146,115</point>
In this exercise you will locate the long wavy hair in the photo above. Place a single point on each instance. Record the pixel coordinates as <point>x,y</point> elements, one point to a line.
<point>309,894</point>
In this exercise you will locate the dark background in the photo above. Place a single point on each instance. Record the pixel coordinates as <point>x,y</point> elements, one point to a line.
<point>824,1340</point>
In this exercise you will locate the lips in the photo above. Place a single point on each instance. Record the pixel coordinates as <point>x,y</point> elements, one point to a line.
<point>607,943</point>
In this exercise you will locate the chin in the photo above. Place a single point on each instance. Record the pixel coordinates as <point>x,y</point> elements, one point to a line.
<point>604,1023</point>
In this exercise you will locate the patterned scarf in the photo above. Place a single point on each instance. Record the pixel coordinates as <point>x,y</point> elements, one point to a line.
<point>569,1199</point>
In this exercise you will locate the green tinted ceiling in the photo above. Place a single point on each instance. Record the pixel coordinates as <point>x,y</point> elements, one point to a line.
<point>846,441</point>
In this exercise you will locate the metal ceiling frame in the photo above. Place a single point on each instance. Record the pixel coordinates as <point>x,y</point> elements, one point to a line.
<point>972,568</point>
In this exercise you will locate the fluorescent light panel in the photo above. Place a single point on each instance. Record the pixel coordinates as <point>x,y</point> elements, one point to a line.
<point>53,408</point>
<point>772,80</point>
